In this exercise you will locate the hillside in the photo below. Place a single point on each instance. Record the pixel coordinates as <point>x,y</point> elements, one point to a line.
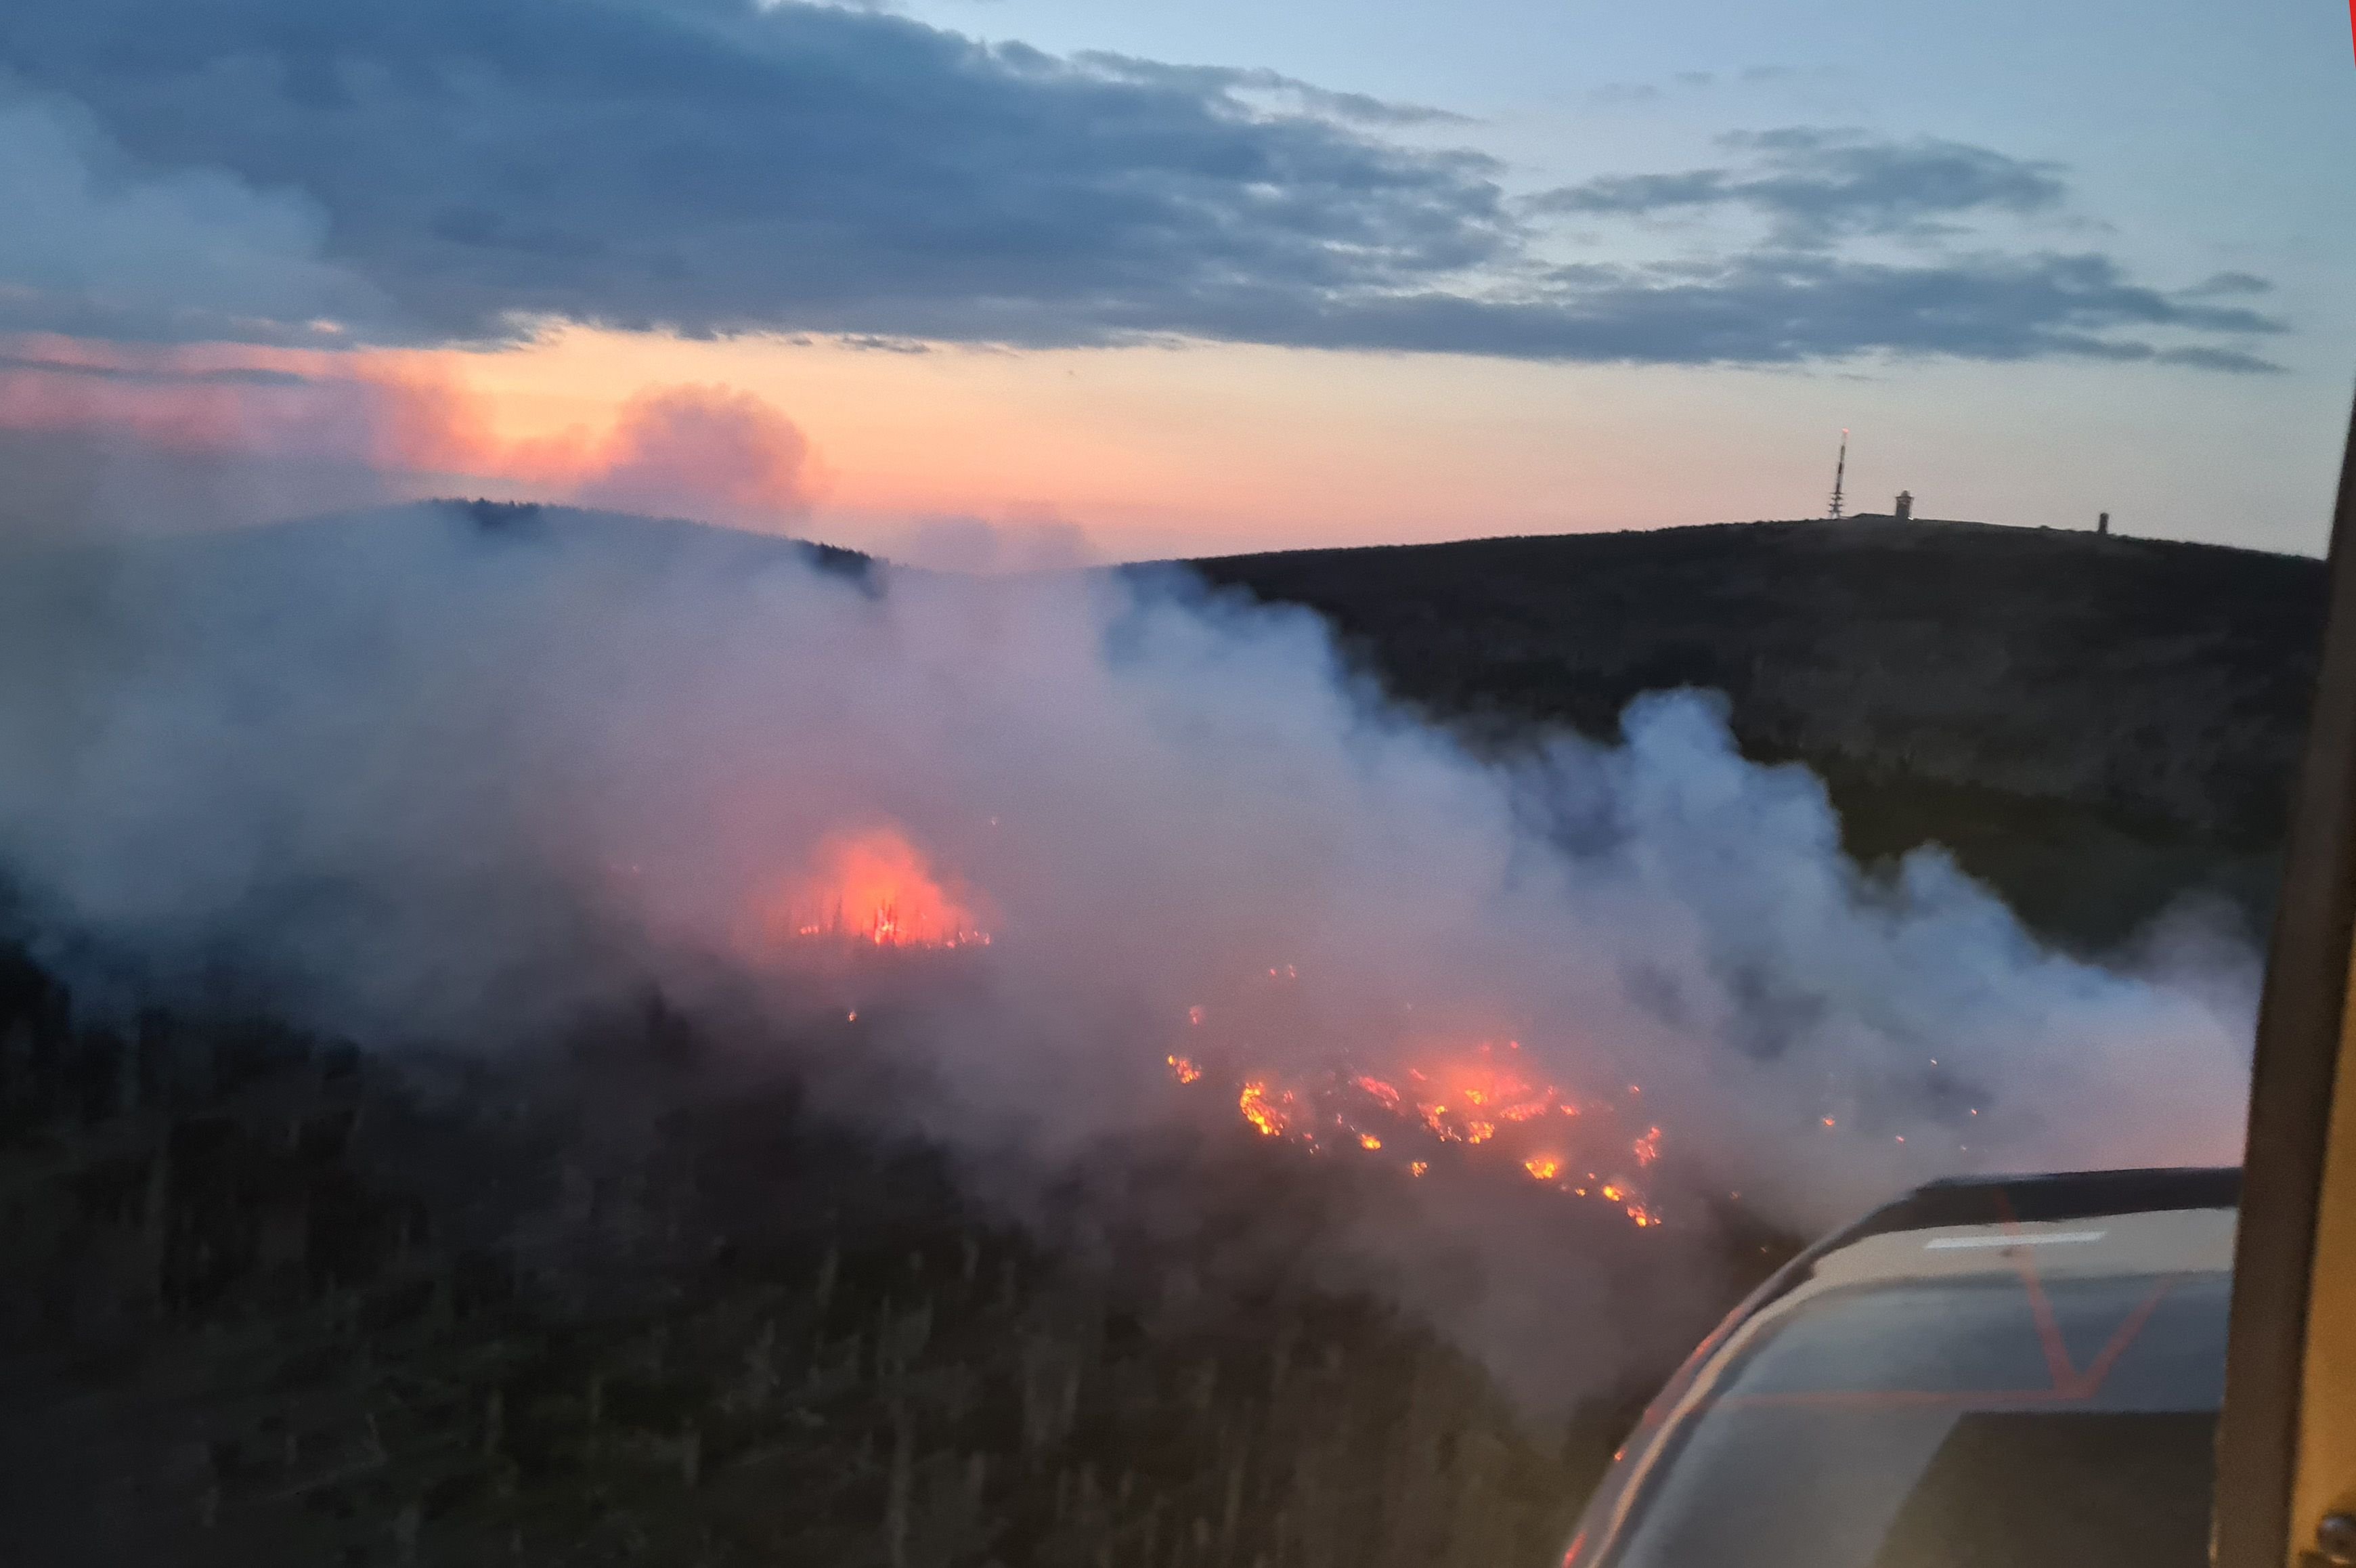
<point>2093,724</point>
<point>640,1296</point>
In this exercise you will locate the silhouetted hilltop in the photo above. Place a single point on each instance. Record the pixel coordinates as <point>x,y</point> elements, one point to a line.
<point>525,520</point>
<point>2093,722</point>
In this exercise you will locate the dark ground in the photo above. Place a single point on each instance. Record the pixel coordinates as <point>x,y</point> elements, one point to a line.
<point>264,1302</point>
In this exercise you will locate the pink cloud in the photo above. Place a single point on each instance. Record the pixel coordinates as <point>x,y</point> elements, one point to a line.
<point>713,453</point>
<point>706,451</point>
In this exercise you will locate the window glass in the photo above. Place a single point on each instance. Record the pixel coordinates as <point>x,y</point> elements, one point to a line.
<point>1922,1423</point>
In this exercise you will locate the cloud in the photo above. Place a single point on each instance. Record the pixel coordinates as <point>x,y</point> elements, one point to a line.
<point>151,374</point>
<point>95,245</point>
<point>113,438</point>
<point>703,450</point>
<point>2232,283</point>
<point>714,167</point>
<point>473,168</point>
<point>197,399</point>
<point>1816,186</point>
<point>1694,81</point>
<point>1217,81</point>
<point>100,439</point>
<point>1769,308</point>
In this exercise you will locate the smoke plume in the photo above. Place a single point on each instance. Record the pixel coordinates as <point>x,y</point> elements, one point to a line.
<point>417,779</point>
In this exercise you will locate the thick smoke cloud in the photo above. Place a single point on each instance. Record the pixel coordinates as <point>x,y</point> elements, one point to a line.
<point>712,451</point>
<point>444,169</point>
<point>417,779</point>
<point>400,764</point>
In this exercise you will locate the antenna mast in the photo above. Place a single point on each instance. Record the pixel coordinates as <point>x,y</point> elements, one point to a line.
<point>1840,471</point>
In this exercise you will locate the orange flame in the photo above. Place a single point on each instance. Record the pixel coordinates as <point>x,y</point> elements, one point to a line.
<point>1184,1070</point>
<point>875,887</point>
<point>1491,1104</point>
<point>1272,1116</point>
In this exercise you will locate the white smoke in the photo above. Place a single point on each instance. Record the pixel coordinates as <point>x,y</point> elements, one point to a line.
<point>419,778</point>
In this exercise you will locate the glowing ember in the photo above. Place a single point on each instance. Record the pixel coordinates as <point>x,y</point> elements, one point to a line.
<point>1468,1102</point>
<point>1487,1101</point>
<point>1271,1115</point>
<point>877,887</point>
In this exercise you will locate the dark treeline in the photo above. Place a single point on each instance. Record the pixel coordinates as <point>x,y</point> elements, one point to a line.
<point>264,1301</point>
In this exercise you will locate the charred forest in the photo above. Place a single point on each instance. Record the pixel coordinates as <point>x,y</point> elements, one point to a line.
<point>640,1294</point>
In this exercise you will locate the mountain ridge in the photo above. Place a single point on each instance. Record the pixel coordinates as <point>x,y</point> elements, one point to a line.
<point>2097,723</point>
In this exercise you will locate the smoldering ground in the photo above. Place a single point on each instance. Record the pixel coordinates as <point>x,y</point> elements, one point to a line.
<point>422,780</point>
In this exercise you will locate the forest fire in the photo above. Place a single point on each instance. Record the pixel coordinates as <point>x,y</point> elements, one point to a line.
<point>875,887</point>
<point>1488,1102</point>
<point>1484,1100</point>
<point>1273,1113</point>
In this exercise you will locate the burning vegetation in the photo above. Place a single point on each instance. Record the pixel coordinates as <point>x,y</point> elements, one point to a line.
<point>1480,1102</point>
<point>877,887</point>
<point>1486,1102</point>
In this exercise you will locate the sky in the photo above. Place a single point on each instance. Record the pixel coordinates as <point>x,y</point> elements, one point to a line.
<point>994,283</point>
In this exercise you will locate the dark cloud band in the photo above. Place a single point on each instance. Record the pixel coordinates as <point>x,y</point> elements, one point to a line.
<point>1815,185</point>
<point>713,166</point>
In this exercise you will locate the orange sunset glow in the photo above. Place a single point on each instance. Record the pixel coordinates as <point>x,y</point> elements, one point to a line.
<point>1138,452</point>
<point>1143,452</point>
